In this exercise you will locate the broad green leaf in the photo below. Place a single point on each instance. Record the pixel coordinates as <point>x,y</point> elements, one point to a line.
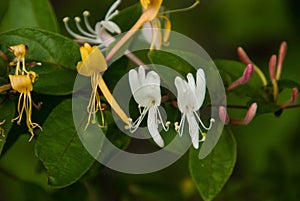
<point>30,13</point>
<point>60,149</point>
<point>44,46</point>
<point>54,80</point>
<point>7,112</point>
<point>211,173</point>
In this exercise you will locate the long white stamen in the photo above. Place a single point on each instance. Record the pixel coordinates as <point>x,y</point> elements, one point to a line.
<point>135,125</point>
<point>165,127</point>
<point>77,36</point>
<point>202,124</point>
<point>179,128</point>
<point>109,15</point>
<point>81,30</point>
<point>86,15</point>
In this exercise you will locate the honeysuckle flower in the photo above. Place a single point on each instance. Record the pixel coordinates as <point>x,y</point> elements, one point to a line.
<point>20,52</point>
<point>23,85</point>
<point>150,17</point>
<point>190,97</point>
<point>100,35</point>
<point>146,92</point>
<point>243,79</point>
<point>92,64</point>
<point>21,82</point>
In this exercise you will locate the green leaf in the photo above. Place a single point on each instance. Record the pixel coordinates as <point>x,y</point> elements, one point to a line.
<point>54,80</point>
<point>60,149</point>
<point>7,112</point>
<point>20,13</point>
<point>44,46</point>
<point>211,173</point>
<point>288,84</point>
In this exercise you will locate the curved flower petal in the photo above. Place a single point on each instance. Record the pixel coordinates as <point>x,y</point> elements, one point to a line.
<point>93,61</point>
<point>179,83</point>
<point>193,129</point>
<point>145,89</point>
<point>201,87</point>
<point>111,27</point>
<point>153,126</point>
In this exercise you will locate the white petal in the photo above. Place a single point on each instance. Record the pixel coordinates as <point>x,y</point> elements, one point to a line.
<point>153,127</point>
<point>111,26</point>
<point>134,81</point>
<point>148,33</point>
<point>193,129</point>
<point>191,81</point>
<point>179,84</point>
<point>145,89</point>
<point>201,87</point>
<point>142,74</point>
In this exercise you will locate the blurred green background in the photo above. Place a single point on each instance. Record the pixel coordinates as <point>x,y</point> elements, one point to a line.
<point>268,164</point>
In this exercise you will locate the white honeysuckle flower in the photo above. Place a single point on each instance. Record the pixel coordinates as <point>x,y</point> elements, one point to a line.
<point>146,92</point>
<point>190,97</point>
<point>100,35</point>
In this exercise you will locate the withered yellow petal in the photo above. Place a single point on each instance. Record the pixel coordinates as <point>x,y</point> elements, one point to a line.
<point>21,83</point>
<point>167,28</point>
<point>19,50</point>
<point>92,62</point>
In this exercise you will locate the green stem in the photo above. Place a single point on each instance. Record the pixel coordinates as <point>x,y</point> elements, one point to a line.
<point>5,87</point>
<point>261,75</point>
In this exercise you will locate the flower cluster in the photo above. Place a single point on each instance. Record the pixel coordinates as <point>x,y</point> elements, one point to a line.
<point>275,69</point>
<point>190,97</point>
<point>22,82</point>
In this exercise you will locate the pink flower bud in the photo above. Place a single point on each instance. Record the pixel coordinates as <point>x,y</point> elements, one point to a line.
<point>243,56</point>
<point>244,78</point>
<point>272,67</point>
<point>249,116</point>
<point>294,96</point>
<point>223,115</point>
<point>281,56</point>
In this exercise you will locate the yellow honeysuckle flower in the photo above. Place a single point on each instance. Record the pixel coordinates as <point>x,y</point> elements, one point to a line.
<point>20,52</point>
<point>151,15</point>
<point>23,85</point>
<point>92,64</point>
<point>151,9</point>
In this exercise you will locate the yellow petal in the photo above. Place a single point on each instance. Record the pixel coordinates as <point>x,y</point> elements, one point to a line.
<point>21,83</point>
<point>153,6</point>
<point>92,62</point>
<point>145,3</point>
<point>19,50</point>
<point>112,101</point>
<point>152,9</point>
<point>167,28</point>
